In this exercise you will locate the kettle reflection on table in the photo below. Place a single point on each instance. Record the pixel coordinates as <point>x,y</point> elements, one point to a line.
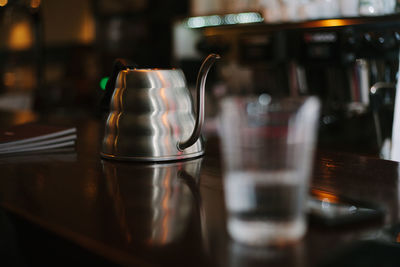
<point>153,202</point>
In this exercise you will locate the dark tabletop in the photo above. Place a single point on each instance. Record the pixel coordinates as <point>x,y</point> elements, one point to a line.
<point>74,207</point>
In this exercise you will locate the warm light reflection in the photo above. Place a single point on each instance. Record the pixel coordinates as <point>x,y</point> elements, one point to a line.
<point>114,117</point>
<point>324,196</point>
<point>398,238</point>
<point>87,33</point>
<point>327,169</point>
<point>332,23</point>
<point>9,79</point>
<point>35,3</point>
<point>116,139</point>
<point>110,123</point>
<point>3,3</point>
<point>23,117</point>
<point>20,36</point>
<point>91,189</point>
<point>164,116</point>
<point>165,205</point>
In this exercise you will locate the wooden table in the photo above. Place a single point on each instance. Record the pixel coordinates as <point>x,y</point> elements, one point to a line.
<point>75,208</point>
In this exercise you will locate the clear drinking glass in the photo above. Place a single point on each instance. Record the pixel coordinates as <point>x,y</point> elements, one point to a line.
<point>267,150</point>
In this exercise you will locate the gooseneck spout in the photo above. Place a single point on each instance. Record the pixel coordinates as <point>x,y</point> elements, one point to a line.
<point>200,88</point>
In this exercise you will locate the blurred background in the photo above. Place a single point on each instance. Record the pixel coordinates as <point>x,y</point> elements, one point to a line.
<point>56,55</point>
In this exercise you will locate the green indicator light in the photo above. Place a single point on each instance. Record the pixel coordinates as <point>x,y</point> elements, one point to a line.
<point>103,83</point>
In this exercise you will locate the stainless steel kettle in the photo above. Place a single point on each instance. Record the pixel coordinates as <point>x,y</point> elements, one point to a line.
<point>151,116</point>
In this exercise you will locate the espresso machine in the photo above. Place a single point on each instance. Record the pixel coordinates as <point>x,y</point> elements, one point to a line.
<point>350,64</point>
<point>353,70</point>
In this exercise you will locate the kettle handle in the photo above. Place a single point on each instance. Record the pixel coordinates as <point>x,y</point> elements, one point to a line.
<point>119,64</point>
<point>200,89</point>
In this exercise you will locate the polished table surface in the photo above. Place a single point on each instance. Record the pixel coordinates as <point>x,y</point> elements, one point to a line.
<point>107,212</point>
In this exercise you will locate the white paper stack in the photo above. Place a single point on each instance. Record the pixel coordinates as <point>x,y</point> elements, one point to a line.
<point>33,137</point>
